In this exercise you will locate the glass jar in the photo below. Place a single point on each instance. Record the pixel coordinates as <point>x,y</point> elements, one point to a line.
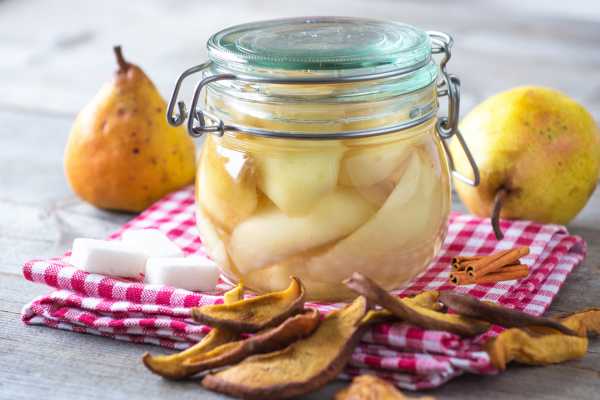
<point>325,155</point>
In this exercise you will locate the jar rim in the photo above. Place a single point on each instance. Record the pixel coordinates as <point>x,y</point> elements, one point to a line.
<point>320,47</point>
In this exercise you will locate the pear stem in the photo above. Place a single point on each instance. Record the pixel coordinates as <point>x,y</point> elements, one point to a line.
<point>123,64</point>
<point>498,199</point>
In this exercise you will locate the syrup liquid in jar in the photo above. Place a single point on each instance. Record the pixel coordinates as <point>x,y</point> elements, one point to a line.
<point>322,208</point>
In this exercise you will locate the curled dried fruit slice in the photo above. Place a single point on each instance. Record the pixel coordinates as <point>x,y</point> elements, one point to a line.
<point>538,345</point>
<point>413,313</point>
<point>171,366</point>
<point>534,347</point>
<point>301,367</point>
<point>474,308</point>
<point>254,314</point>
<point>583,322</point>
<point>427,299</point>
<point>376,316</point>
<point>370,387</point>
<point>292,329</point>
<point>233,295</point>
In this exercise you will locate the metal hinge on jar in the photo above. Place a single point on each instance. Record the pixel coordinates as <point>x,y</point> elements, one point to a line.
<point>201,122</point>
<point>449,85</point>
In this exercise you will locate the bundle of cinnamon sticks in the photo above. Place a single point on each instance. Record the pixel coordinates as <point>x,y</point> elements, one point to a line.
<point>501,266</point>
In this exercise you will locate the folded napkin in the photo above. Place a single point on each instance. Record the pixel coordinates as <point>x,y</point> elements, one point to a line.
<point>410,357</point>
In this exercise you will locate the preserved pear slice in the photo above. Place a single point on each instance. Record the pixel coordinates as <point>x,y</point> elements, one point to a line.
<point>226,184</point>
<point>296,179</point>
<point>213,242</point>
<point>270,235</point>
<point>402,223</point>
<point>373,164</point>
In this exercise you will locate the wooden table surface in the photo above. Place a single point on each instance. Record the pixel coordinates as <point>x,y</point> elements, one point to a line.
<point>55,55</point>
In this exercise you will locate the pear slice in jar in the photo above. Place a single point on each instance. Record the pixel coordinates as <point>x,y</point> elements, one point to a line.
<point>270,235</point>
<point>368,165</point>
<point>214,240</point>
<point>272,278</point>
<point>378,193</point>
<point>295,176</point>
<point>226,183</point>
<point>276,277</point>
<point>381,248</point>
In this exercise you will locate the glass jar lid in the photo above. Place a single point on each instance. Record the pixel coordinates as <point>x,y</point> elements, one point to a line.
<point>321,46</point>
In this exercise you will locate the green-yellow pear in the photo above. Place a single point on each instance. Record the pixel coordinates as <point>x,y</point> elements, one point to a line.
<point>538,152</point>
<point>121,153</point>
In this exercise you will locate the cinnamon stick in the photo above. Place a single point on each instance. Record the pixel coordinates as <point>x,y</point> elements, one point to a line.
<point>521,272</point>
<point>506,273</point>
<point>460,278</point>
<point>458,262</point>
<point>504,268</point>
<point>489,264</point>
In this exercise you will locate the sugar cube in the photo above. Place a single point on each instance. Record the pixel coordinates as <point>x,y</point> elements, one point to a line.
<point>191,273</point>
<point>108,257</point>
<point>152,242</point>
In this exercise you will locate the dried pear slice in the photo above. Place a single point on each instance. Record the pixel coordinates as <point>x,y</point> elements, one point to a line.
<point>534,347</point>
<point>542,345</point>
<point>370,387</point>
<point>233,295</point>
<point>583,322</point>
<point>427,299</point>
<point>471,307</point>
<point>301,367</point>
<point>254,314</point>
<point>171,366</point>
<point>291,330</point>
<point>413,313</point>
<point>377,316</point>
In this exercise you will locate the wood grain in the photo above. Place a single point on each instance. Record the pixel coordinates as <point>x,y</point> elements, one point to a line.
<point>55,55</point>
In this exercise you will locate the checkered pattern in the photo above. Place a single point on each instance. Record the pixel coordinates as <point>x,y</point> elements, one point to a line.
<point>411,357</point>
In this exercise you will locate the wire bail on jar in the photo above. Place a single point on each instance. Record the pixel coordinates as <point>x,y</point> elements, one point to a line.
<point>447,127</point>
<point>200,122</point>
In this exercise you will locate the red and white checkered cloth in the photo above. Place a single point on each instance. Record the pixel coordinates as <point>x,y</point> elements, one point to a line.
<point>411,357</point>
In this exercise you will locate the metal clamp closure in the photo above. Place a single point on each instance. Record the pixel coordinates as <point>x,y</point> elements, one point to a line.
<point>449,85</point>
<point>200,122</point>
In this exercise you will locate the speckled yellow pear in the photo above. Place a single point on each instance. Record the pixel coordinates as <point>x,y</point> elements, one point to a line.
<point>226,183</point>
<point>538,152</point>
<point>270,235</point>
<point>121,153</point>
